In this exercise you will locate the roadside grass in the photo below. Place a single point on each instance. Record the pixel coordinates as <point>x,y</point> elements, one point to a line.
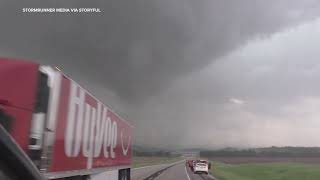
<point>267,171</point>
<point>148,161</point>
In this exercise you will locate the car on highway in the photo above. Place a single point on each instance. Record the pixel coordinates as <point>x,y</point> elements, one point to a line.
<point>201,166</point>
<point>189,163</point>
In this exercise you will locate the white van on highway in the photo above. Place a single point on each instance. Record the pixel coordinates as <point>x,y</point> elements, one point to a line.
<point>200,166</point>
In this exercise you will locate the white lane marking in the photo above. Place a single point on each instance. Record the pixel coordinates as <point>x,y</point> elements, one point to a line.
<point>185,168</point>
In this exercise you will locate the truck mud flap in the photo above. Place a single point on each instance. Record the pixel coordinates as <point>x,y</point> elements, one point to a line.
<point>124,174</point>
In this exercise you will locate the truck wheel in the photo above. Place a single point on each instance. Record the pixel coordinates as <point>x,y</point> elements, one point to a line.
<point>124,174</point>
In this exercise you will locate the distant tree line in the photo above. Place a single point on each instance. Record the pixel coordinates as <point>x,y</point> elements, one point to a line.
<point>264,152</point>
<point>154,154</point>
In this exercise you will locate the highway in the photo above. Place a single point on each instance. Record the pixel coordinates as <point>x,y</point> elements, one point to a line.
<point>145,172</point>
<point>168,172</point>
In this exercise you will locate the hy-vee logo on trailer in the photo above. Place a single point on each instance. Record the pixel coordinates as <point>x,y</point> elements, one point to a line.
<point>90,129</point>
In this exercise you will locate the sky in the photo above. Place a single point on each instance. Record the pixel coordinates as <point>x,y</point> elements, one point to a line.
<point>263,94</point>
<point>185,73</point>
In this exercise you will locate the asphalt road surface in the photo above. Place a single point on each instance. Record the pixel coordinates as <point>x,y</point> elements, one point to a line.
<point>181,172</point>
<point>168,172</point>
<point>145,172</point>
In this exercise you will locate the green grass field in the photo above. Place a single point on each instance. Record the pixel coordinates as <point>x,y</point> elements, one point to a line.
<point>148,161</point>
<point>267,171</point>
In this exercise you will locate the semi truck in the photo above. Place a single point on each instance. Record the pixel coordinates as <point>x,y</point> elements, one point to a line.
<point>63,130</point>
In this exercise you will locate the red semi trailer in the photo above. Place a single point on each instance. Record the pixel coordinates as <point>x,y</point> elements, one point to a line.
<point>66,131</point>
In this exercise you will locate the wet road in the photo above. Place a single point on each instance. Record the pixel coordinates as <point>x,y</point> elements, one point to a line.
<point>181,172</point>
<point>168,172</point>
<point>144,172</point>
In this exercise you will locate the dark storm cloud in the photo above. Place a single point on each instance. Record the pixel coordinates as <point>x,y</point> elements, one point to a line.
<point>136,49</point>
<point>261,95</point>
